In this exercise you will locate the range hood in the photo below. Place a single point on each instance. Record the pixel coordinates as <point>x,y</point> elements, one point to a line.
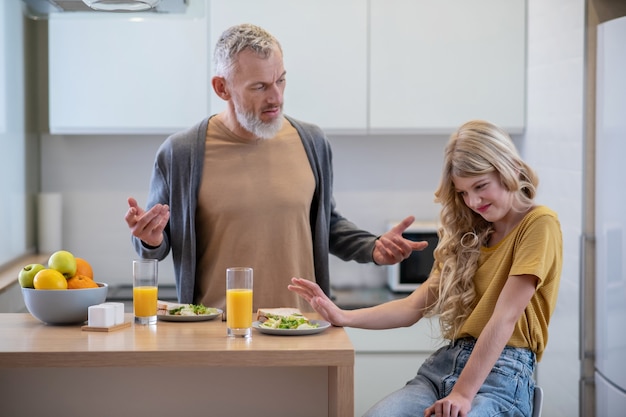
<point>42,9</point>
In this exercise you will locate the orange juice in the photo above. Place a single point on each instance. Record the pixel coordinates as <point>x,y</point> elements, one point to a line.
<point>145,301</point>
<point>239,308</point>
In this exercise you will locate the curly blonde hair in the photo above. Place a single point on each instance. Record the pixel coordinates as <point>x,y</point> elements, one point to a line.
<point>476,148</point>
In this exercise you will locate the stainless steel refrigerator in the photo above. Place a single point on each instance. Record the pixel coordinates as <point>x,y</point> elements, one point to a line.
<point>610,221</point>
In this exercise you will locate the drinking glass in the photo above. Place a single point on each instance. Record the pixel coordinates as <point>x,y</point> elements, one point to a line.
<point>145,290</point>
<point>239,301</point>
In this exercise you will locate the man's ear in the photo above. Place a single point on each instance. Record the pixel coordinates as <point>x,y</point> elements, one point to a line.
<point>219,86</point>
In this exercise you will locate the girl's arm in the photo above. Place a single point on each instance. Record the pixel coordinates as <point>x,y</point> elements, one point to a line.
<point>511,303</point>
<point>397,313</point>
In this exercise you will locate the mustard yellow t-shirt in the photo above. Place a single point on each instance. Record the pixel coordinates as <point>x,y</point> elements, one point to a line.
<point>534,247</point>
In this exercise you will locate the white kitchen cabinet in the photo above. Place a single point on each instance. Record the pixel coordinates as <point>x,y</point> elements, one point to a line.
<point>353,67</point>
<point>325,53</point>
<point>436,64</point>
<point>128,73</point>
<point>377,375</point>
<point>386,359</point>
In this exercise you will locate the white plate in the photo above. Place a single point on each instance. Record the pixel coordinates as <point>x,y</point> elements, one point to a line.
<point>322,325</point>
<point>198,317</point>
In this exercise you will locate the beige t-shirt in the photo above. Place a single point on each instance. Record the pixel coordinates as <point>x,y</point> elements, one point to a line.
<point>253,210</point>
<point>534,247</point>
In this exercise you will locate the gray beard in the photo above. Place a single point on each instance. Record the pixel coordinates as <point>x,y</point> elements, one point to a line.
<point>256,126</point>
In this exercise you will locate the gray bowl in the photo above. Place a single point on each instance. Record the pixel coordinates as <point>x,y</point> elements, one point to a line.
<point>63,306</point>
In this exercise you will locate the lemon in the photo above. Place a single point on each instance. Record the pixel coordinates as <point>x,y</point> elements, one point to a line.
<point>49,279</point>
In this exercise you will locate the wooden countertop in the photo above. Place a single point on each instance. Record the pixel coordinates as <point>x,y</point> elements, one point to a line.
<point>191,351</point>
<point>26,342</point>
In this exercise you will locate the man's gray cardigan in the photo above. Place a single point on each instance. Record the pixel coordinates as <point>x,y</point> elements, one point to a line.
<point>176,179</point>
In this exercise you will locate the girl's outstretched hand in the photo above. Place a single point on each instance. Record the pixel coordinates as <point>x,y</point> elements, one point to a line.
<point>314,295</point>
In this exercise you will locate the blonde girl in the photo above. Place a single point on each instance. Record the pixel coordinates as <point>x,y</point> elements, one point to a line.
<point>493,287</point>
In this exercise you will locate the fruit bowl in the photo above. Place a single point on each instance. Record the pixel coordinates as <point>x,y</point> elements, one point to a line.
<point>63,306</point>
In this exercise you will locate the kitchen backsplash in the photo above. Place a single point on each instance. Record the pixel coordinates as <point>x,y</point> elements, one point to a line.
<point>377,180</point>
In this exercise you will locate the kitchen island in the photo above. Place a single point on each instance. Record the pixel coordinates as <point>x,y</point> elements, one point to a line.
<point>171,369</point>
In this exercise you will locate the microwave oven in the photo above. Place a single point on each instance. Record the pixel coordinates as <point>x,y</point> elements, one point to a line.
<point>410,273</point>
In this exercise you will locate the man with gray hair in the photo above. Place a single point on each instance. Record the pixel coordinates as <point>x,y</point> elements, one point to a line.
<point>251,186</point>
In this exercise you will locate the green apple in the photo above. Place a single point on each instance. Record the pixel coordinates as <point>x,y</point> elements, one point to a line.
<point>64,262</point>
<point>27,274</point>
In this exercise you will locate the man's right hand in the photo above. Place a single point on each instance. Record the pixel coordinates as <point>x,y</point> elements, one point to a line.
<point>147,225</point>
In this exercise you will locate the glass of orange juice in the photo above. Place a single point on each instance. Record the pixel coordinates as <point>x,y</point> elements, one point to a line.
<point>145,277</point>
<point>239,301</point>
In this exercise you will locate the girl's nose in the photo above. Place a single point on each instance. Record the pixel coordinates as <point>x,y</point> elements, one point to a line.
<point>473,200</point>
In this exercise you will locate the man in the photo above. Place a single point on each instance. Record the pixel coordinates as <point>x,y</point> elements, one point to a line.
<point>251,187</point>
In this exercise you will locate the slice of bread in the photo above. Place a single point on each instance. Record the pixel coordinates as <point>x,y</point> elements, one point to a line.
<point>263,314</point>
<point>164,306</point>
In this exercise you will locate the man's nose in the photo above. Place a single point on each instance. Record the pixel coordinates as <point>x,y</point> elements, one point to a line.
<point>275,94</point>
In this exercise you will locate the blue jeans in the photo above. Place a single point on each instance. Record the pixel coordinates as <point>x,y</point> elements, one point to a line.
<point>507,391</point>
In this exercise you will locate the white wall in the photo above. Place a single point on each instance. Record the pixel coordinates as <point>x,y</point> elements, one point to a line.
<point>553,145</point>
<point>376,179</point>
<point>391,185</point>
<point>380,180</point>
<point>13,200</point>
<point>96,175</point>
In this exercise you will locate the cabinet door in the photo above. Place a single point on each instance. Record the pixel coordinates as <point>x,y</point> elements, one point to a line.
<point>386,359</point>
<point>377,375</point>
<point>128,73</point>
<point>324,44</point>
<point>436,64</point>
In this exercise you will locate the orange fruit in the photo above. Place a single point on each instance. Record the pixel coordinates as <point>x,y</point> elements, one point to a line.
<point>81,281</point>
<point>49,279</point>
<point>83,268</point>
